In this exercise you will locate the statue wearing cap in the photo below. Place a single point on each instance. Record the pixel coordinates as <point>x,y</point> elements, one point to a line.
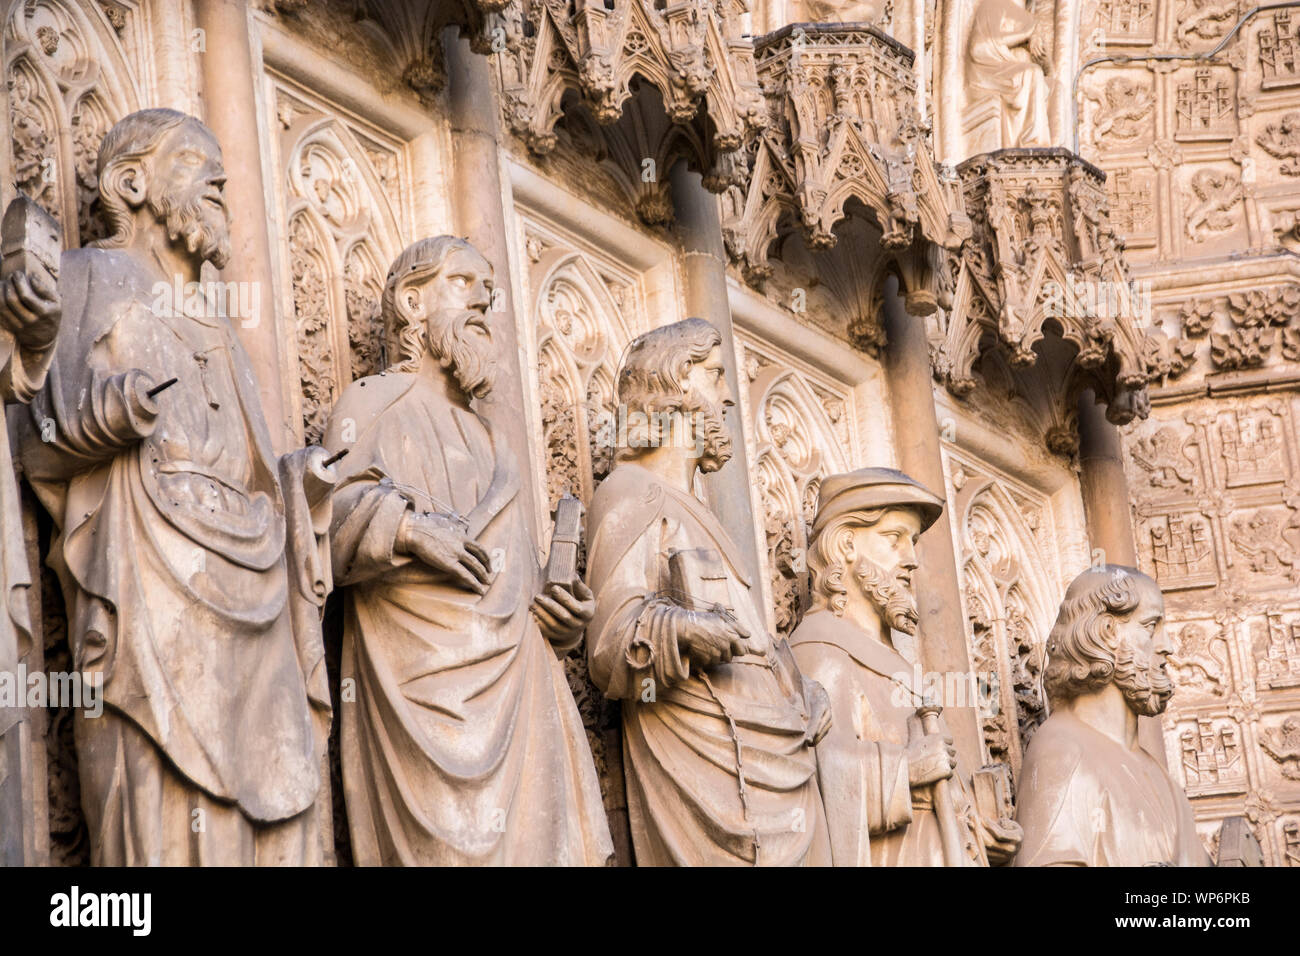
<point>879,766</point>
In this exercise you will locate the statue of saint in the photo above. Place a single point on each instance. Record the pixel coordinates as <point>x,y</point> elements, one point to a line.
<point>718,724</point>
<point>1001,63</point>
<point>186,550</point>
<point>880,767</point>
<point>463,744</point>
<point>1089,794</point>
<point>29,321</point>
<point>845,11</point>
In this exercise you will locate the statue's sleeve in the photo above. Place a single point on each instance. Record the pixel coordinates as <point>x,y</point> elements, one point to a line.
<point>92,405</point>
<point>368,510</point>
<point>632,639</point>
<point>24,372</point>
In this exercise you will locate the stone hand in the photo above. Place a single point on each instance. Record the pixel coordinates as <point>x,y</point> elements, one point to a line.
<point>930,758</point>
<point>562,613</point>
<point>819,712</point>
<point>708,638</point>
<point>1001,839</point>
<point>30,308</point>
<point>437,541</point>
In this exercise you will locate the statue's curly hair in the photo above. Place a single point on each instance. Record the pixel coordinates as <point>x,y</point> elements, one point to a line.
<point>1083,647</point>
<point>652,379</point>
<point>827,564</point>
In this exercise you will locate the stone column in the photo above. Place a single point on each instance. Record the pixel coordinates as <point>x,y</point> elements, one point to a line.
<point>942,629</point>
<point>477,206</point>
<point>1104,488</point>
<point>230,74</point>
<point>1103,485</point>
<point>704,257</point>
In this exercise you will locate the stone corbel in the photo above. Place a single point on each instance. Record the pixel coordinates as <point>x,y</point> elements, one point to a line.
<point>690,51</point>
<point>845,127</point>
<point>1045,262</point>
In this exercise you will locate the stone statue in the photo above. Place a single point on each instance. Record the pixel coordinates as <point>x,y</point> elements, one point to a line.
<point>191,559</point>
<point>846,11</point>
<point>880,768</point>
<point>1089,794</point>
<point>1000,64</point>
<point>464,744</point>
<point>718,724</point>
<point>29,322</point>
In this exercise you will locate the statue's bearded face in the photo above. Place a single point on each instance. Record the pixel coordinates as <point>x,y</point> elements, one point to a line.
<point>1141,660</point>
<point>457,302</point>
<point>707,398</point>
<point>885,559</point>
<point>185,193</point>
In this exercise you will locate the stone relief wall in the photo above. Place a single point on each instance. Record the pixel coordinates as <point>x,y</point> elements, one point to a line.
<point>1198,160</point>
<point>1216,504</point>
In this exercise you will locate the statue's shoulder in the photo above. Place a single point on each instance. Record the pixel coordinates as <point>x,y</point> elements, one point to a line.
<point>1058,744</point>
<point>627,490</point>
<point>364,400</point>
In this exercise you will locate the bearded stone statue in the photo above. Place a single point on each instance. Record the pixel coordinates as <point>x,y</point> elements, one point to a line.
<point>463,744</point>
<point>718,723</point>
<point>192,559</point>
<point>879,765</point>
<point>1089,794</point>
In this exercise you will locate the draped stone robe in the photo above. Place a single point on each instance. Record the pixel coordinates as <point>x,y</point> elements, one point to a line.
<point>1086,800</point>
<point>22,373</point>
<point>1000,64</point>
<point>464,744</point>
<point>873,815</point>
<point>171,554</point>
<point>680,748</point>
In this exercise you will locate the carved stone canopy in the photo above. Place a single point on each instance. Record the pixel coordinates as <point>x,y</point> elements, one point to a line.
<point>1045,260</point>
<point>844,126</point>
<point>691,52</point>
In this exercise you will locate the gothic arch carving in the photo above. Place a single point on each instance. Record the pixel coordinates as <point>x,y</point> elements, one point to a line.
<point>802,433</point>
<point>1011,600</point>
<point>69,81</point>
<point>342,233</point>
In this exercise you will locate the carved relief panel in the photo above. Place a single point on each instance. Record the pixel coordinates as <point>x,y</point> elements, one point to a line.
<point>803,428</point>
<point>340,185</point>
<point>1012,584</point>
<point>71,75</point>
<point>1216,507</point>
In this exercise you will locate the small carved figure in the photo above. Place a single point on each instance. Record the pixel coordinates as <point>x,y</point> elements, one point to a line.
<point>718,724</point>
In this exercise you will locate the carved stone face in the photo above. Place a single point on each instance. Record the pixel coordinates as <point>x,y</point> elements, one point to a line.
<point>185,192</point>
<point>886,558</point>
<point>455,303</point>
<point>708,398</point>
<point>1140,666</point>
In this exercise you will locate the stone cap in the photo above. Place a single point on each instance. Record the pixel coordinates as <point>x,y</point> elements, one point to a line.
<point>869,488</point>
